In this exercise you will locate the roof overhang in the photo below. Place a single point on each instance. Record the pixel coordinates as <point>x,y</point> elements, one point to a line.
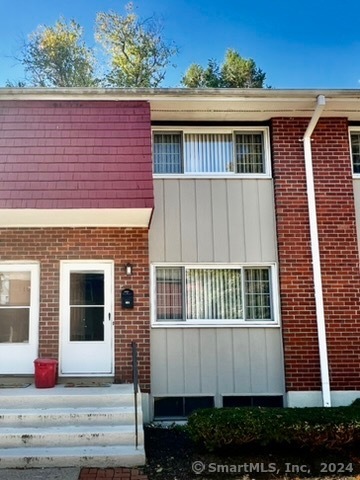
<point>221,105</point>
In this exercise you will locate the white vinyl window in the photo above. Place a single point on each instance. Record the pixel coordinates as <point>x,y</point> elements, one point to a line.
<point>226,153</point>
<point>355,150</point>
<point>213,295</point>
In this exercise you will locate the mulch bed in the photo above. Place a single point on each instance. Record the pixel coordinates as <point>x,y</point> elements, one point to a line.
<point>172,456</point>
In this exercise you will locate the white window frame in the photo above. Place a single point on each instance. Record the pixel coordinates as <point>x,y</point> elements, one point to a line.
<point>225,130</point>
<point>353,130</point>
<point>275,301</point>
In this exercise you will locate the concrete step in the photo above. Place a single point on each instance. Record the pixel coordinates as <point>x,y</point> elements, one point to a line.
<point>80,456</point>
<point>112,396</point>
<point>37,417</point>
<point>70,426</point>
<point>70,436</point>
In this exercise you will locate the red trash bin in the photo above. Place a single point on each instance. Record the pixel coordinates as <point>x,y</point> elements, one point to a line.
<point>46,372</point>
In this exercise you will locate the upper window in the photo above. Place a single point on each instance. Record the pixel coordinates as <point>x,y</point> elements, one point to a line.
<point>355,150</point>
<point>213,295</point>
<point>241,152</point>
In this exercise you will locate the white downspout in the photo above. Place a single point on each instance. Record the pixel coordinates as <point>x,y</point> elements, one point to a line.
<point>315,252</point>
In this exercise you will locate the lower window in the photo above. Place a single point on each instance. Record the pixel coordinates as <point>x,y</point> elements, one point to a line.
<point>198,295</point>
<point>180,407</point>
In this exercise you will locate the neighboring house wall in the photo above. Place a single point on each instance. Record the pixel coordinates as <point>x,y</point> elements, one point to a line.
<point>338,252</point>
<point>50,246</point>
<point>215,221</point>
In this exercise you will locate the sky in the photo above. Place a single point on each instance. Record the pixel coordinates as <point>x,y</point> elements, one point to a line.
<point>297,43</point>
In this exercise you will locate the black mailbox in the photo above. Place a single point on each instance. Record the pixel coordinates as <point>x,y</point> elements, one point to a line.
<point>127,298</point>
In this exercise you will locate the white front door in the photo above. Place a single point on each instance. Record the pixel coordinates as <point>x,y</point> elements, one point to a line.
<point>86,316</point>
<point>19,317</point>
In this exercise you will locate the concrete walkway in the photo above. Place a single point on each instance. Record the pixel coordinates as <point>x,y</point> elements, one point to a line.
<point>40,474</point>
<point>72,474</point>
<point>111,474</point>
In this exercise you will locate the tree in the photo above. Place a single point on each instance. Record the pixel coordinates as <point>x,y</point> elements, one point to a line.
<point>138,54</point>
<point>199,77</point>
<point>235,72</point>
<point>58,57</point>
<point>18,84</point>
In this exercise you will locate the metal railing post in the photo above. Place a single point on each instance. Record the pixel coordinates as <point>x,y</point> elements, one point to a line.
<point>136,387</point>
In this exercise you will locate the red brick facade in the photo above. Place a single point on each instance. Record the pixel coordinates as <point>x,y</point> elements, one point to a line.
<point>338,252</point>
<point>49,246</point>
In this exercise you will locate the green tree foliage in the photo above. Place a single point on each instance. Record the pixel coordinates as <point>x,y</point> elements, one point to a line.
<point>58,57</point>
<point>199,77</point>
<point>137,52</point>
<point>18,84</point>
<point>235,72</point>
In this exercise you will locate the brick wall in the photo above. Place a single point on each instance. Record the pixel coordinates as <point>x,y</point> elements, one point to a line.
<point>51,245</point>
<point>338,252</point>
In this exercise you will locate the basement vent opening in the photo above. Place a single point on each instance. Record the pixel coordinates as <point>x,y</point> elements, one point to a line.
<point>253,401</point>
<point>179,407</point>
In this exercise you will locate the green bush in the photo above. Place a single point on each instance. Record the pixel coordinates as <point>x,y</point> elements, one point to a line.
<point>219,428</point>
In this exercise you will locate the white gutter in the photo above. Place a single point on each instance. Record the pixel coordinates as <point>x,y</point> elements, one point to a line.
<point>315,252</point>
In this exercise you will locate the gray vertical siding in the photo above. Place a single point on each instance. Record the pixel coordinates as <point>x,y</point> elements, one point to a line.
<point>210,220</point>
<point>223,221</point>
<point>216,361</point>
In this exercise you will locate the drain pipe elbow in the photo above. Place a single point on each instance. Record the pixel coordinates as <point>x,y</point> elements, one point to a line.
<point>315,251</point>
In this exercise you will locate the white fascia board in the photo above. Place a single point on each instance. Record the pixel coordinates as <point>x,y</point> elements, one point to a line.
<point>125,217</point>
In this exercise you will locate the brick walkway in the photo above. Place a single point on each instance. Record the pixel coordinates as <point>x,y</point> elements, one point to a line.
<point>112,474</point>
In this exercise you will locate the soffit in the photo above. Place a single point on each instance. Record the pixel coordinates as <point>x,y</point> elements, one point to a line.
<point>210,104</point>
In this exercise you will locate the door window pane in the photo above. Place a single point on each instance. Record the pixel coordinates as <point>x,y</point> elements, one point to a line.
<point>14,325</point>
<point>86,288</point>
<point>86,324</point>
<point>86,306</point>
<point>15,289</point>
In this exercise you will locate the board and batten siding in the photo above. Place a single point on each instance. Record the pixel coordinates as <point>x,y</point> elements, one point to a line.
<point>215,221</point>
<point>216,361</point>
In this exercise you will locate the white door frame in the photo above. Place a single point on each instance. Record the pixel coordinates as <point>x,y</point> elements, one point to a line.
<point>18,358</point>
<point>66,267</point>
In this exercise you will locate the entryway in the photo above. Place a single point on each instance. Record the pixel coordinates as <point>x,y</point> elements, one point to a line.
<point>86,318</point>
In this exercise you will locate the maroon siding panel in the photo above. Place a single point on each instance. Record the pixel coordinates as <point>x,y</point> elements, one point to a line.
<point>75,154</point>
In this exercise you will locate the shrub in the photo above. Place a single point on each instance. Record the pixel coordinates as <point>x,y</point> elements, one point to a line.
<point>301,427</point>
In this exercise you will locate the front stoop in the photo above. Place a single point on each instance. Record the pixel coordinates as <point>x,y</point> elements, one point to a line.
<point>70,427</point>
